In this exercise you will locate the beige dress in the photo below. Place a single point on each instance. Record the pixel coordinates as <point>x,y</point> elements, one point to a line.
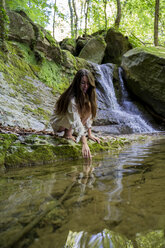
<point>71,120</point>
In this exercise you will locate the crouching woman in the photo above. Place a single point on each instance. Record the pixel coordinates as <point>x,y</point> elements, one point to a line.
<point>75,110</point>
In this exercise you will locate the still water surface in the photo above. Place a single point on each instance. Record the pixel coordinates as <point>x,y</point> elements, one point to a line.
<point>117,200</point>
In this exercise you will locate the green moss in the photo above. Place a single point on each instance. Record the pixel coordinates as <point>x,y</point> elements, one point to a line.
<point>101,39</point>
<point>38,111</point>
<point>50,38</point>
<point>157,51</point>
<point>24,51</point>
<point>40,149</point>
<point>23,64</point>
<point>68,151</point>
<point>41,34</point>
<point>5,142</point>
<point>107,145</point>
<point>22,155</point>
<point>69,41</point>
<point>52,75</point>
<point>14,67</point>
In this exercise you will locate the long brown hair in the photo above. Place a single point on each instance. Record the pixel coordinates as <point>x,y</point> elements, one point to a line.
<point>74,90</point>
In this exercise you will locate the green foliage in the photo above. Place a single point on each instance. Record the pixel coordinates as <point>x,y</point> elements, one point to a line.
<point>137,16</point>
<point>138,21</point>
<point>37,10</point>
<point>4,21</point>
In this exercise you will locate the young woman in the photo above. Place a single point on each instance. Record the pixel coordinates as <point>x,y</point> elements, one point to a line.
<point>75,110</point>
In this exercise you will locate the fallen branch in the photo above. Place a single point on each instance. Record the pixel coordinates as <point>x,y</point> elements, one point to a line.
<point>22,131</point>
<point>138,39</point>
<point>29,227</point>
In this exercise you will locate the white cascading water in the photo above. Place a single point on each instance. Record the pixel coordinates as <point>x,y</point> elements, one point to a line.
<point>126,115</point>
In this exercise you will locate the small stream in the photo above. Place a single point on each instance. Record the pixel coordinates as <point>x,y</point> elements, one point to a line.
<point>116,200</point>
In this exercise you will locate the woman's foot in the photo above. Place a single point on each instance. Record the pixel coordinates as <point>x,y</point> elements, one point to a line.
<point>68,134</point>
<point>70,137</point>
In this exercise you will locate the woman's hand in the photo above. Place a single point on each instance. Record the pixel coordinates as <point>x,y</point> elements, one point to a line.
<point>86,151</point>
<point>92,137</point>
<point>85,148</point>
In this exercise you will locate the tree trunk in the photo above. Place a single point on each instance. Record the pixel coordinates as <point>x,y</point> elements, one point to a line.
<point>82,12</point>
<point>71,18</point>
<point>105,13</point>
<point>3,26</point>
<point>86,16</point>
<point>54,18</point>
<point>76,18</point>
<point>156,22</point>
<point>118,16</point>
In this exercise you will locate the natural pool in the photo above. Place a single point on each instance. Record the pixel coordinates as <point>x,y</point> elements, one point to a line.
<point>116,200</point>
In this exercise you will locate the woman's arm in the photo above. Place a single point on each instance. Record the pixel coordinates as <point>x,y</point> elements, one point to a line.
<point>85,148</point>
<point>75,120</point>
<point>92,137</point>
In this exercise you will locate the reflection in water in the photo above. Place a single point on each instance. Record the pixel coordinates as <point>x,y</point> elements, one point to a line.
<point>112,170</point>
<point>104,239</point>
<point>110,239</point>
<point>117,201</point>
<point>86,178</point>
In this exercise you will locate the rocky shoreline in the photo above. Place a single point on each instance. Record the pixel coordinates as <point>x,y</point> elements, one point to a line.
<point>32,148</point>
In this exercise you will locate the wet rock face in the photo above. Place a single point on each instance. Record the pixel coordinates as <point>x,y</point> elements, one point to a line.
<point>27,107</point>
<point>145,76</point>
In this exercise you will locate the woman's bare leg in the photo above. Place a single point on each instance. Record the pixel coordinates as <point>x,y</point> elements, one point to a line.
<point>68,134</point>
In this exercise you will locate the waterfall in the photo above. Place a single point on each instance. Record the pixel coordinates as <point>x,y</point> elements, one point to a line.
<point>122,118</point>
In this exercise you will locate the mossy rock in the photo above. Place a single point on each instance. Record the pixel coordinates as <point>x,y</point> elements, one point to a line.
<point>94,50</point>
<point>117,45</point>
<point>5,142</point>
<point>34,149</point>
<point>145,76</point>
<point>69,44</point>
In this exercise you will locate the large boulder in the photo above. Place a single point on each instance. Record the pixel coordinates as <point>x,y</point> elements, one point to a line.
<point>68,44</point>
<point>22,29</point>
<point>117,45</point>
<point>81,42</point>
<point>145,76</point>
<point>94,50</point>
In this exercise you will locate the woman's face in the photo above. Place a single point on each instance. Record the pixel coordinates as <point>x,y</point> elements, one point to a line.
<point>84,84</point>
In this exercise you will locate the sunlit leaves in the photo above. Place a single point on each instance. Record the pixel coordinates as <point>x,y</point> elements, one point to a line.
<point>37,10</point>
<point>137,16</point>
